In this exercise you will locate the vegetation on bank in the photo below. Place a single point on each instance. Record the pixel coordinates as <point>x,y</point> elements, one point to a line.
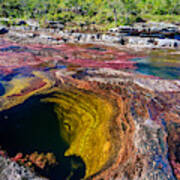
<point>108,13</point>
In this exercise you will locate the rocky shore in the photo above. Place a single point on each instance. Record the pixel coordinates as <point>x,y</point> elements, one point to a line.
<point>139,35</point>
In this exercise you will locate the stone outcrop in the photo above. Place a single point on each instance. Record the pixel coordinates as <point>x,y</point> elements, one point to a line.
<point>55,36</point>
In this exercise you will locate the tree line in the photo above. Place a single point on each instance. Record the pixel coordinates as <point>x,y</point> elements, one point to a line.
<point>100,11</point>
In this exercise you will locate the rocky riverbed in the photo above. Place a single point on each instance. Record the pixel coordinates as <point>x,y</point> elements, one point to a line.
<point>89,106</point>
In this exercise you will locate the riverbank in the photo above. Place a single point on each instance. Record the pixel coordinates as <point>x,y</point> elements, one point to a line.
<point>138,36</point>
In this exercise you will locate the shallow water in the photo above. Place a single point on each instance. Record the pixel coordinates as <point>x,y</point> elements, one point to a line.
<point>159,67</point>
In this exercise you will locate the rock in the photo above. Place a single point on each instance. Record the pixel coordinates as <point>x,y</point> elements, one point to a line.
<point>168,43</point>
<point>81,25</point>
<point>32,23</point>
<point>21,22</point>
<point>3,30</point>
<point>148,30</point>
<point>155,35</point>
<point>113,30</point>
<point>140,20</point>
<point>11,170</point>
<point>55,25</point>
<point>125,29</point>
<point>122,41</point>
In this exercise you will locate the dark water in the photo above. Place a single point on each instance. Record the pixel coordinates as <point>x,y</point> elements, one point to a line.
<point>2,90</point>
<point>33,126</point>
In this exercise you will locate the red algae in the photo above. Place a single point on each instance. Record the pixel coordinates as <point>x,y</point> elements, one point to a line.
<point>35,159</point>
<point>15,56</point>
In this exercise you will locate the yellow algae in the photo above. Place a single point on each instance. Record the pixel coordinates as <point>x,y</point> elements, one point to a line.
<point>84,123</point>
<point>17,84</point>
<point>14,93</point>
